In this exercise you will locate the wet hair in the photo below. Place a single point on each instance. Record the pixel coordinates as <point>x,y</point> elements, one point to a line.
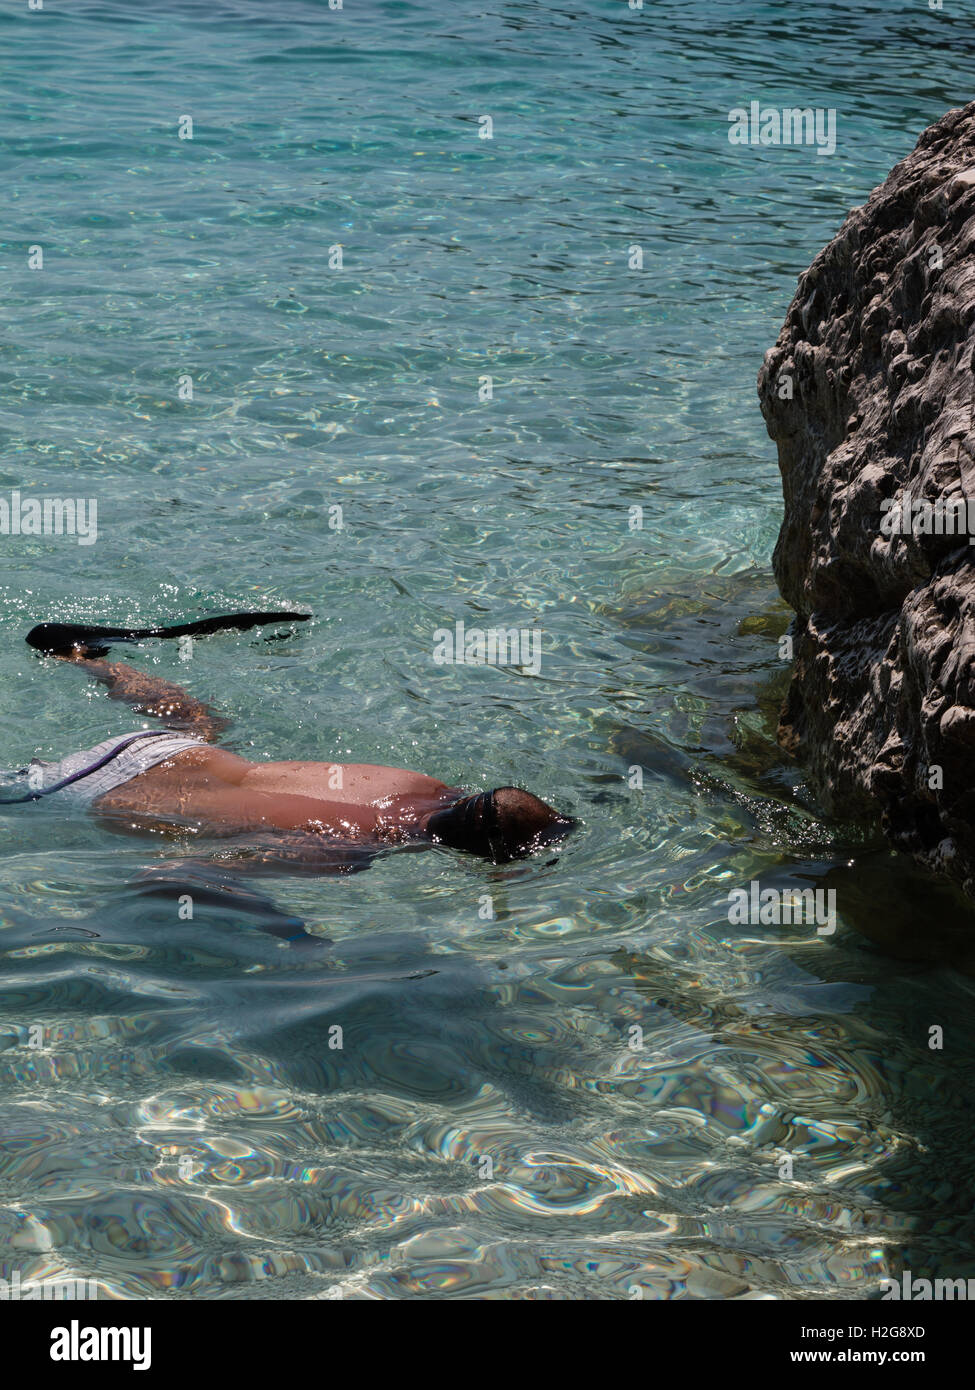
<point>501,825</point>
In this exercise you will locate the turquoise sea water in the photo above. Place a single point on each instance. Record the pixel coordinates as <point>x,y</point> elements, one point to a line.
<point>173,1119</point>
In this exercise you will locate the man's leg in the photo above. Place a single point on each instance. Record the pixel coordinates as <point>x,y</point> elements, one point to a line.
<point>153,695</point>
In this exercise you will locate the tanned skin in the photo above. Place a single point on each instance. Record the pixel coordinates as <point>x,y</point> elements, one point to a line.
<point>284,816</point>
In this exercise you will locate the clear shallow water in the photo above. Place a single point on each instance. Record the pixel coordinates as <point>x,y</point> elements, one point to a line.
<point>184,1128</point>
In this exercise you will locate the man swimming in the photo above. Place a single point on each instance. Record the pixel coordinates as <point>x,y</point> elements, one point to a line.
<point>285,815</point>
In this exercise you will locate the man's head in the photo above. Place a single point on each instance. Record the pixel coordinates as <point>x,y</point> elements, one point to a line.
<point>507,823</point>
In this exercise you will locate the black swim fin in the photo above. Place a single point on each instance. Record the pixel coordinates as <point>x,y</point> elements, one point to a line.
<point>56,638</point>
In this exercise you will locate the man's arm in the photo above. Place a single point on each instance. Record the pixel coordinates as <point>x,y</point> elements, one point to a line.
<point>153,695</point>
<point>282,856</point>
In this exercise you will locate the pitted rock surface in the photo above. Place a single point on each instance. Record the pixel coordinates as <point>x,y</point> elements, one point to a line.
<point>869,394</point>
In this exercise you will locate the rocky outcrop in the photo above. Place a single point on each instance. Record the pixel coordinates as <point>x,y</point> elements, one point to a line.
<point>869,394</point>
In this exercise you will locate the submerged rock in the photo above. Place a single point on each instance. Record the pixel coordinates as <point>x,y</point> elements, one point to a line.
<point>869,394</point>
